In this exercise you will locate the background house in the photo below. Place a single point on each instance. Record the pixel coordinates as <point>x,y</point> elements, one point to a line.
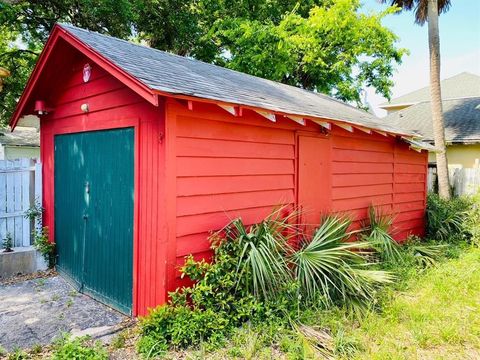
<point>23,143</point>
<point>461,107</point>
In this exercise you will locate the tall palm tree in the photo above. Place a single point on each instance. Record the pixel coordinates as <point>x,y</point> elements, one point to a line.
<point>428,11</point>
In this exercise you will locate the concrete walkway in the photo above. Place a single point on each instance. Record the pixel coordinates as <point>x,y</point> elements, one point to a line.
<point>38,311</point>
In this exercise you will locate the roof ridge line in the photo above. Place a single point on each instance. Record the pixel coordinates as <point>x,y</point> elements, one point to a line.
<point>447,99</point>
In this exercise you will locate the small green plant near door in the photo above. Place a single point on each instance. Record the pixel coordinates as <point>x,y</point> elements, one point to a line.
<point>43,244</point>
<point>40,234</point>
<point>7,243</point>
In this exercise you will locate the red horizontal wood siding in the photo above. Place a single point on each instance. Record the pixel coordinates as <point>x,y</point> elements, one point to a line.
<point>226,167</point>
<point>380,171</point>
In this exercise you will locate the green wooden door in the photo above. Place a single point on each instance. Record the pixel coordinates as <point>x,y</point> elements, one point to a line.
<point>94,193</point>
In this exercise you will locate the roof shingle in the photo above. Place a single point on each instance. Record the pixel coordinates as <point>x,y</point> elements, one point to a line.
<point>462,120</point>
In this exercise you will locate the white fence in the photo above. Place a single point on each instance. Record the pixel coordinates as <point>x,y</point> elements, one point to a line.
<point>465,181</point>
<point>20,187</point>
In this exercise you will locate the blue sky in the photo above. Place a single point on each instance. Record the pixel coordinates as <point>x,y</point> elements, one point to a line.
<point>459,46</point>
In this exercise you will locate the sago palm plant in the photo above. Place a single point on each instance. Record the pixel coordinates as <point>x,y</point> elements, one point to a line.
<point>262,265</point>
<point>332,269</point>
<point>325,267</point>
<point>377,232</point>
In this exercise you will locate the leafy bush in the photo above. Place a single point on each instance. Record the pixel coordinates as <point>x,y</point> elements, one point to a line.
<point>78,349</point>
<point>447,220</point>
<point>35,213</point>
<point>472,221</point>
<point>258,275</point>
<point>210,309</point>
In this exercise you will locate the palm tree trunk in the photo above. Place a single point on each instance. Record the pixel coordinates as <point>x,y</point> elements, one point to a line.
<point>436,100</point>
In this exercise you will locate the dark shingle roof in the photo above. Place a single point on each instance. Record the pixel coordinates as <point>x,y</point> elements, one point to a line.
<point>180,75</point>
<point>463,85</point>
<point>462,119</point>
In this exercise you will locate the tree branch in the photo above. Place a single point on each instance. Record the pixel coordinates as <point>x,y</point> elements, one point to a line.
<point>19,51</point>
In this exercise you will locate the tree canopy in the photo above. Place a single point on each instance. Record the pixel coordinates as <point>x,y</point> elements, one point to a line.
<point>329,46</point>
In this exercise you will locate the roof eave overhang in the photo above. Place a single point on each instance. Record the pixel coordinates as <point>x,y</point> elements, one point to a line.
<point>279,112</point>
<point>59,33</point>
<point>463,142</point>
<point>386,106</point>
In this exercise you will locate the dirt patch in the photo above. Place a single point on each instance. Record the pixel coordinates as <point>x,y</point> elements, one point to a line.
<point>36,312</point>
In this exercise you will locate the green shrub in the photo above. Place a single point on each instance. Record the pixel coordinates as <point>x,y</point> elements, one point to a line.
<point>472,222</point>
<point>209,310</point>
<point>40,234</point>
<point>78,349</point>
<point>447,220</point>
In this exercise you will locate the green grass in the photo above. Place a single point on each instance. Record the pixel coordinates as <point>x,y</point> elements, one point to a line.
<point>436,317</point>
<point>434,314</point>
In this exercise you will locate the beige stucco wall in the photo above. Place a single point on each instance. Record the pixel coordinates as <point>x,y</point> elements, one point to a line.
<point>467,156</point>
<point>16,152</point>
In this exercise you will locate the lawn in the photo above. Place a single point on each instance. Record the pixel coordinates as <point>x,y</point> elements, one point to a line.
<point>435,315</point>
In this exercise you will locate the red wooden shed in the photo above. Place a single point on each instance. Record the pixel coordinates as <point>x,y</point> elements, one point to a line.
<point>144,153</point>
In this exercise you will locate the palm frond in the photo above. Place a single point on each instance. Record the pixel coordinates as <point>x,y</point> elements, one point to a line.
<point>427,254</point>
<point>262,265</point>
<point>328,268</point>
<point>420,7</point>
<point>317,342</point>
<point>377,232</point>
